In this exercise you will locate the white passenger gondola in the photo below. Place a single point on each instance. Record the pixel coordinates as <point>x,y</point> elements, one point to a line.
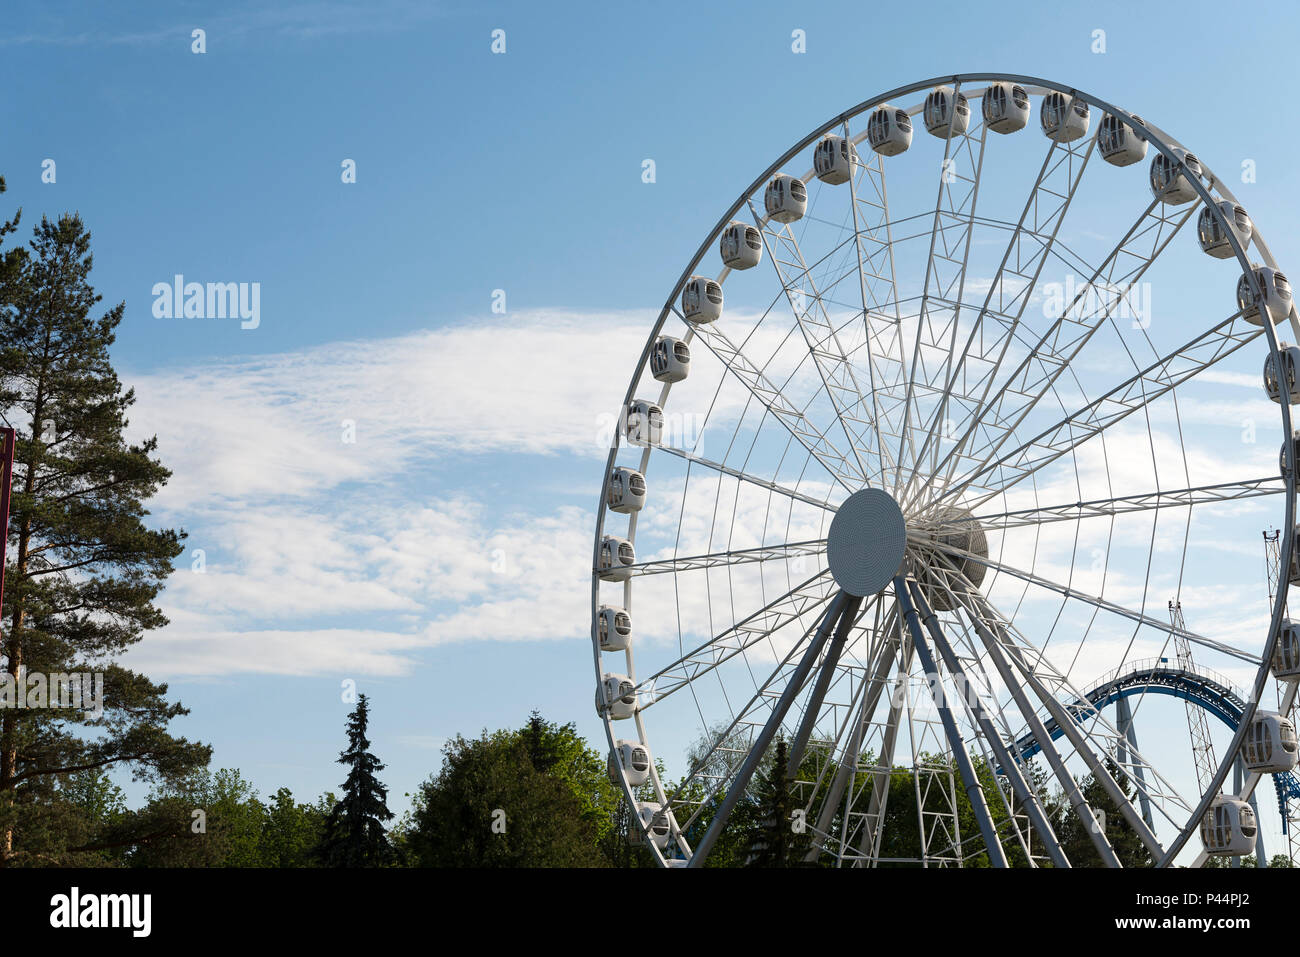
<point>615,696</point>
<point>617,556</point>
<point>946,113</point>
<point>645,422</point>
<point>1286,653</point>
<point>1169,177</point>
<point>1063,118</point>
<point>833,160</point>
<point>613,628</point>
<point>1213,233</point>
<point>889,130</point>
<point>785,199</point>
<point>1283,383</point>
<point>630,759</point>
<point>1270,744</point>
<point>1229,827</point>
<point>1119,143</point>
<point>656,823</point>
<point>1277,295</point>
<point>701,299</point>
<point>626,490</point>
<point>1005,107</point>
<point>1295,451</point>
<point>671,359</point>
<point>1293,573</point>
<point>741,245</point>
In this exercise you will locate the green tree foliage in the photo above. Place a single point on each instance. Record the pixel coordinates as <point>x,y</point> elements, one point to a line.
<point>1074,838</point>
<point>83,567</point>
<point>535,797</point>
<point>354,831</point>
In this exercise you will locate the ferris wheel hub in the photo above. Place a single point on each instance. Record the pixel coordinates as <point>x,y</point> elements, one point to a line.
<point>866,542</point>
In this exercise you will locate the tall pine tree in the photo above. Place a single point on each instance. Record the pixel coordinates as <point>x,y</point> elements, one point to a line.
<point>354,832</point>
<point>83,567</point>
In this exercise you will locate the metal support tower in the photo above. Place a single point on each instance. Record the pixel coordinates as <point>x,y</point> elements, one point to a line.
<point>1197,723</point>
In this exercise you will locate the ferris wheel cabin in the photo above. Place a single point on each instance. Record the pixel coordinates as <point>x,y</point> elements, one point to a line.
<point>785,199</point>
<point>1168,177</point>
<point>1119,143</point>
<point>1229,827</point>
<point>613,628</point>
<point>626,490</point>
<point>833,160</point>
<point>615,697</point>
<point>741,246</point>
<point>701,300</point>
<point>1212,230</point>
<point>1277,295</point>
<point>1006,107</point>
<point>1063,118</point>
<point>1270,744</point>
<point>671,359</point>
<point>889,131</point>
<point>617,556</point>
<point>629,759</point>
<point>946,113</point>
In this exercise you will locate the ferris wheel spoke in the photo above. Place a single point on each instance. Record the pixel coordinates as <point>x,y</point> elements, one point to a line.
<point>835,462</point>
<point>979,610</point>
<point>943,287</point>
<point>1135,393</point>
<point>737,639</point>
<point>1143,502</point>
<point>742,556</point>
<point>1012,285</point>
<point>873,220</point>
<point>1103,604</point>
<point>814,321</point>
<point>1108,287</point>
<point>740,783</point>
<point>736,473</point>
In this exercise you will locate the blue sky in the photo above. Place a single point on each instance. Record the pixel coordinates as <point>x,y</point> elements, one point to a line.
<point>477,445</point>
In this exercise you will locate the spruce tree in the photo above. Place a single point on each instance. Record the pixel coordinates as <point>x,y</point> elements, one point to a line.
<point>354,832</point>
<point>83,568</point>
<point>776,843</point>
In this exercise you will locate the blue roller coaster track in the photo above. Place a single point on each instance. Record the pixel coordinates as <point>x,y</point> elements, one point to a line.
<point>1202,687</point>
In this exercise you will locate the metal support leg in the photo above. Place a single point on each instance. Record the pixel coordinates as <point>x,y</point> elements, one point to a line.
<point>1063,775</point>
<point>1126,755</point>
<point>800,742</point>
<point>1024,793</point>
<point>759,748</point>
<point>973,790</point>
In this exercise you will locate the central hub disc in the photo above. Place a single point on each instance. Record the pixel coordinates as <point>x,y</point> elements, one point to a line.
<point>865,545</point>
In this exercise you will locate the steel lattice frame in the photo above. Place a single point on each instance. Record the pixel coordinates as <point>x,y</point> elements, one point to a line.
<point>943,397</point>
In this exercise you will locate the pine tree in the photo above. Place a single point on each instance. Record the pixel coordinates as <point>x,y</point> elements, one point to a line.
<point>354,831</point>
<point>776,842</point>
<point>83,568</point>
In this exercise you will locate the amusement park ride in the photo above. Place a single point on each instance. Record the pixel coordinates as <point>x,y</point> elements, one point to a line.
<point>924,469</point>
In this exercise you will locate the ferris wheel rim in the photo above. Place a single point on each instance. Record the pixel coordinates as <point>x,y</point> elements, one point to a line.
<point>1164,144</point>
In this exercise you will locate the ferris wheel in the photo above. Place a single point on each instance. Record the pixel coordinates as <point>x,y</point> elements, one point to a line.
<point>983,404</point>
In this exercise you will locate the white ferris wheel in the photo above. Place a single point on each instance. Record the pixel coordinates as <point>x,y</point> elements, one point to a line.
<point>958,496</point>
